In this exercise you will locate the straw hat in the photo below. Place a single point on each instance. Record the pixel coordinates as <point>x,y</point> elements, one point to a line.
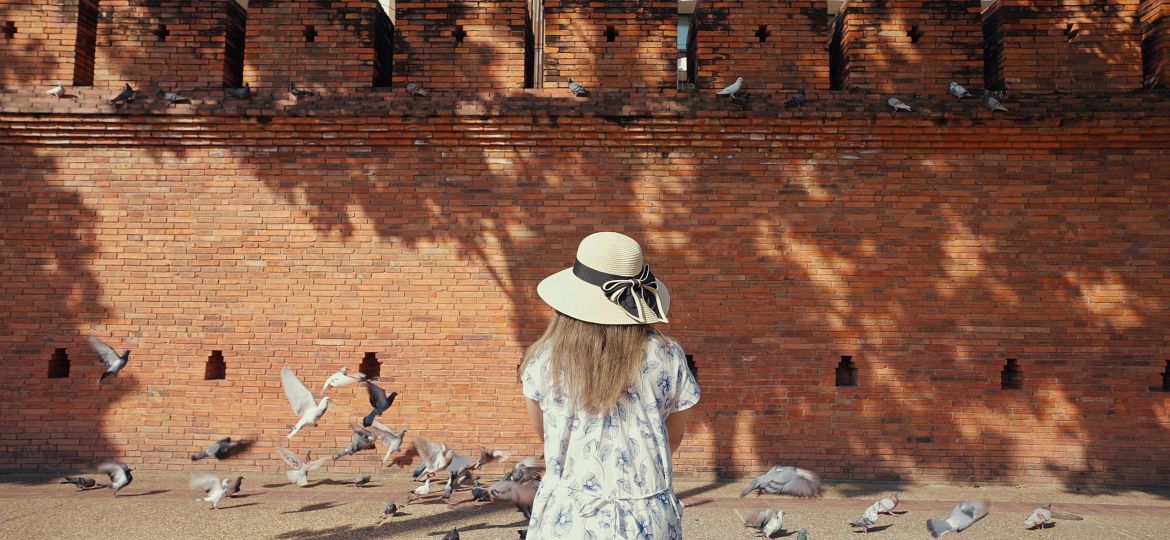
<point>610,283</point>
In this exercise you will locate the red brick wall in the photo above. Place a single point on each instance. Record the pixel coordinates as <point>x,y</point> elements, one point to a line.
<point>340,59</point>
<point>40,53</point>
<point>1155,21</point>
<point>792,54</point>
<point>1063,45</point>
<point>643,54</point>
<point>491,56</point>
<point>910,45</point>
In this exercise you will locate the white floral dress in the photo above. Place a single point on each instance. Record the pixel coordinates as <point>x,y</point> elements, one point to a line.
<point>609,475</point>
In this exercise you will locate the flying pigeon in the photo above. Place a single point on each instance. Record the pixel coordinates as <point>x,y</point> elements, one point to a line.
<point>796,100</point>
<point>82,482</point>
<point>119,472</point>
<point>112,360</point>
<point>992,103</point>
<point>887,504</point>
<point>127,95</point>
<point>867,520</point>
<point>172,98</point>
<point>486,457</point>
<point>361,480</point>
<point>421,491</point>
<point>393,441</point>
<point>731,89</point>
<point>768,521</point>
<point>417,90</point>
<point>57,91</point>
<point>297,94</point>
<point>529,468</point>
<point>786,480</point>
<point>243,92</point>
<point>216,489</point>
<point>302,401</point>
<point>453,535</point>
<point>1044,515</point>
<point>418,472</point>
<point>379,401</point>
<point>234,487</point>
<point>958,91</point>
<point>577,88</point>
<point>898,105</point>
<point>299,472</point>
<point>362,440</point>
<point>436,457</point>
<point>219,450</point>
<point>342,378</point>
<point>964,515</point>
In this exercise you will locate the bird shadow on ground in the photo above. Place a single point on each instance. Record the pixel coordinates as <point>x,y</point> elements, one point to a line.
<point>234,506</point>
<point>330,482</point>
<point>879,528</point>
<point>313,507</point>
<point>246,495</point>
<point>700,489</point>
<point>146,493</point>
<point>274,486</point>
<point>395,527</point>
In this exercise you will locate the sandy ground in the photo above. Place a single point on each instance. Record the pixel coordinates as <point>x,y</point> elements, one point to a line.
<point>160,505</point>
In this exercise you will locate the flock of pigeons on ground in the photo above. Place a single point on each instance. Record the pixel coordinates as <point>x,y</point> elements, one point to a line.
<point>517,487</point>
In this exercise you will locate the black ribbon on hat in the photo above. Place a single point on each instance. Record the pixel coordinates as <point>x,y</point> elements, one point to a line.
<point>634,294</point>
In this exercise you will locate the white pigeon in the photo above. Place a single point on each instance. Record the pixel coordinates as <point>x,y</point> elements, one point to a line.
<point>964,515</point>
<point>773,525</point>
<point>57,91</point>
<point>992,103</point>
<point>436,457</point>
<point>421,491</point>
<point>898,105</point>
<point>302,401</point>
<point>299,473</point>
<point>958,91</point>
<point>342,378</point>
<point>732,88</point>
<point>213,485</point>
<point>767,521</point>
<point>393,441</point>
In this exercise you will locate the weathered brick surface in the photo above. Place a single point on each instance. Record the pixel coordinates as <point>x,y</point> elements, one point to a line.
<point>1063,45</point>
<point>642,55</point>
<point>490,57</point>
<point>791,54</point>
<point>41,51</point>
<point>909,45</point>
<point>1155,22</point>
<point>340,57</point>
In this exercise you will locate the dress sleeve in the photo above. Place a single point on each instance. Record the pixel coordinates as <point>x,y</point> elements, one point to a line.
<point>677,387</point>
<point>533,378</point>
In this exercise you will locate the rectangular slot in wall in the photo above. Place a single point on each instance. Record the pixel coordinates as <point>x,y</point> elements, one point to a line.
<point>383,49</point>
<point>846,374</point>
<point>85,47</point>
<point>235,31</point>
<point>59,364</point>
<point>371,367</point>
<point>216,368</point>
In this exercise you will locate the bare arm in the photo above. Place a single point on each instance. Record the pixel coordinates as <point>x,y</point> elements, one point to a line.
<point>536,416</point>
<point>676,427</point>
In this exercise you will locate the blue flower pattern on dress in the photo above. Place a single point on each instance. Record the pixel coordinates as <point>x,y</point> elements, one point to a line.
<point>609,474</point>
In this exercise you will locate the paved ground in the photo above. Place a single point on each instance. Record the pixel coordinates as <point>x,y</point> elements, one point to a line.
<point>159,505</point>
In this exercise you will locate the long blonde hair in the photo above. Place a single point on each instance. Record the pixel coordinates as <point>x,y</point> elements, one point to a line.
<point>591,363</point>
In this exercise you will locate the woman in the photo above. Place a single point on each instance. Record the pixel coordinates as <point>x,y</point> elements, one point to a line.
<point>610,396</point>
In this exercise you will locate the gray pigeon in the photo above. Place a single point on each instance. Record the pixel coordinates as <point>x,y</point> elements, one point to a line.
<point>796,100</point>
<point>57,91</point>
<point>1043,515</point>
<point>119,473</point>
<point>530,468</point>
<point>964,515</point>
<point>243,92</point>
<point>393,441</point>
<point>389,511</point>
<point>992,103</point>
<point>219,450</point>
<point>802,534</point>
<point>887,504</point>
<point>362,440</point>
<point>300,468</point>
<point>577,88</point>
<point>898,105</point>
<point>867,520</point>
<point>82,482</point>
<point>215,487</point>
<point>172,98</point>
<point>453,535</point>
<point>417,90</point>
<point>958,91</point>
<point>361,480</point>
<point>234,487</point>
<point>298,93</point>
<point>786,480</point>
<point>112,360</point>
<point>486,457</point>
<point>731,89</point>
<point>418,472</point>
<point>521,494</point>
<point>127,95</point>
<point>379,401</point>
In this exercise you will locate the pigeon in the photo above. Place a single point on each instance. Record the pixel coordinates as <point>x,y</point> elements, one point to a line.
<point>127,95</point>
<point>417,90</point>
<point>796,100</point>
<point>887,504</point>
<point>300,467</point>
<point>992,103</point>
<point>379,401</point>
<point>234,487</point>
<point>867,520</point>
<point>767,521</point>
<point>297,94</point>
<point>57,91</point>
<point>523,533</point>
<point>219,450</point>
<point>418,472</point>
<point>119,472</point>
<point>958,91</point>
<point>786,480</point>
<point>112,360</point>
<point>216,489</point>
<point>393,441</point>
<point>361,480</point>
<point>452,482</point>
<point>530,468</point>
<point>1044,515</point>
<point>802,534</point>
<point>389,511</point>
<point>453,535</point>
<point>243,92</point>
<point>421,491</point>
<point>731,88</point>
<point>486,457</point>
<point>302,401</point>
<point>436,457</point>
<point>362,440</point>
<point>82,482</point>
<point>521,494</point>
<point>342,378</point>
<point>964,515</point>
<point>898,105</point>
<point>172,98</point>
<point>577,88</point>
